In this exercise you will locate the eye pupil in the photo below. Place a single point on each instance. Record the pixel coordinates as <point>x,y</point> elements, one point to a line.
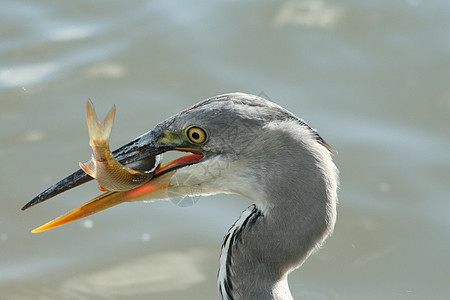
<point>195,136</point>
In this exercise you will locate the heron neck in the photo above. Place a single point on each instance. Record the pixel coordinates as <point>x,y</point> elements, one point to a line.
<point>277,235</point>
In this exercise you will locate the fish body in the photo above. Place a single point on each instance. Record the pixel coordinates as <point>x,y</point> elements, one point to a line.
<point>109,173</point>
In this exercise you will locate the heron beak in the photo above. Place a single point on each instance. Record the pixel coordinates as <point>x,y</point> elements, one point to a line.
<point>133,155</point>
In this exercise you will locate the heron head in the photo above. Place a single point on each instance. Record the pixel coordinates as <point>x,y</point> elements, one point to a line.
<point>225,137</point>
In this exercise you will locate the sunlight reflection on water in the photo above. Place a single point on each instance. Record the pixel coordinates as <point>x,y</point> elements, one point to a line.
<point>156,273</point>
<point>308,13</point>
<point>25,75</point>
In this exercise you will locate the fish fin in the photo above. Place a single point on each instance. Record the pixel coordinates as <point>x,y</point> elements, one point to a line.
<point>108,123</point>
<point>103,189</point>
<point>99,131</point>
<point>89,167</point>
<point>92,122</point>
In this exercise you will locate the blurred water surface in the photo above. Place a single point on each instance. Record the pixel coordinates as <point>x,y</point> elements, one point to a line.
<point>372,76</point>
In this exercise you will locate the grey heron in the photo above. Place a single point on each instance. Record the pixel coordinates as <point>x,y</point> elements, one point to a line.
<point>242,144</point>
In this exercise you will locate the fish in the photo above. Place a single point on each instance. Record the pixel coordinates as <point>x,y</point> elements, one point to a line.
<point>109,173</point>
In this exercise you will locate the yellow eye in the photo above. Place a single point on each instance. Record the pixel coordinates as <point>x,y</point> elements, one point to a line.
<point>196,135</point>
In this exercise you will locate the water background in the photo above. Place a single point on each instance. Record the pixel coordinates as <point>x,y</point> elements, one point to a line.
<point>373,77</point>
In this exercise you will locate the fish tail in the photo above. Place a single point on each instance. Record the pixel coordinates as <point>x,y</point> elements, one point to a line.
<point>89,167</point>
<point>99,131</point>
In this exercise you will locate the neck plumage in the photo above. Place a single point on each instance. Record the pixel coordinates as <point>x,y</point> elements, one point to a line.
<point>278,233</point>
